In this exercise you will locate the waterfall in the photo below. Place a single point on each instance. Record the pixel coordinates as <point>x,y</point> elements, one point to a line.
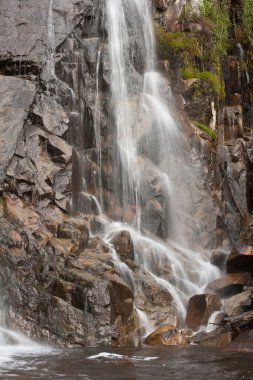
<point>149,144</point>
<point>50,42</point>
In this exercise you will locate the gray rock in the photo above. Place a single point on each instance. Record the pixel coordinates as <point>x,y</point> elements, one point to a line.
<point>16,96</point>
<point>53,116</point>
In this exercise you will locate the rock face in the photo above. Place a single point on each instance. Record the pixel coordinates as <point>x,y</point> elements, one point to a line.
<point>57,279</point>
<point>16,97</point>
<point>200,309</point>
<point>60,285</point>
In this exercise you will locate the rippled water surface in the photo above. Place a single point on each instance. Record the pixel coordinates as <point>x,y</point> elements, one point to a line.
<point>130,364</point>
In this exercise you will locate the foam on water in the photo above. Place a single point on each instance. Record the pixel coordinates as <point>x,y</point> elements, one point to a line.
<point>111,356</point>
<point>14,344</point>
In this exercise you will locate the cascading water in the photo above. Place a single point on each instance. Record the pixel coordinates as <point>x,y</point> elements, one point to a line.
<point>149,144</point>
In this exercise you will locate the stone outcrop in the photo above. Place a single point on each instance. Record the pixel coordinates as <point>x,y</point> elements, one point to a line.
<point>230,284</point>
<point>16,97</point>
<point>239,303</point>
<point>61,285</point>
<point>200,309</point>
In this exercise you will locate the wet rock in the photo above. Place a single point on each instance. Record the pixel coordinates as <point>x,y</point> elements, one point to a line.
<point>74,230</point>
<point>219,259</point>
<point>217,338</point>
<point>242,343</point>
<point>153,218</point>
<point>53,116</point>
<point>16,97</point>
<point>162,5</point>
<point>59,149</point>
<point>233,122</point>
<point>200,308</point>
<point>240,260</point>
<point>166,335</point>
<point>239,323</point>
<point>199,95</point>
<point>123,245</point>
<point>163,316</point>
<point>27,36</point>
<point>230,284</point>
<point>239,303</point>
<point>81,203</point>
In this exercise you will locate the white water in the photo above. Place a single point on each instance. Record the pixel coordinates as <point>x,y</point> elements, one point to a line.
<point>139,104</point>
<point>109,355</point>
<point>50,42</point>
<point>13,345</point>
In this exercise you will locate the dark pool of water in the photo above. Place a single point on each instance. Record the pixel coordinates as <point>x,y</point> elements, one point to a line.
<point>175,363</point>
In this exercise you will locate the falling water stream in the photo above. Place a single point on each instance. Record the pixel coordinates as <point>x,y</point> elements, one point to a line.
<point>140,103</point>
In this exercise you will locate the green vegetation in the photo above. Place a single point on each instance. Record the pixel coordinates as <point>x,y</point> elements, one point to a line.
<point>206,129</point>
<point>213,79</point>
<point>218,18</point>
<point>247,18</point>
<point>176,41</point>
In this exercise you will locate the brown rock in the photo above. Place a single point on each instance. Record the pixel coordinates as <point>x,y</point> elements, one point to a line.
<point>230,284</point>
<point>242,343</point>
<point>240,260</point>
<point>200,308</point>
<point>219,259</point>
<point>161,4</point>
<point>237,304</point>
<point>166,335</point>
<point>121,296</point>
<point>217,338</point>
<point>75,231</point>
<point>123,245</point>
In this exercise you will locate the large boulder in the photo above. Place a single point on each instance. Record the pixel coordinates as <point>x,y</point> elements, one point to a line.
<point>240,260</point>
<point>229,284</point>
<point>200,308</point>
<point>239,303</point>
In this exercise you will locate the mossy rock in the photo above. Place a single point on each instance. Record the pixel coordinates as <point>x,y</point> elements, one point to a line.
<point>206,129</point>
<point>213,82</point>
<point>199,96</point>
<point>176,41</point>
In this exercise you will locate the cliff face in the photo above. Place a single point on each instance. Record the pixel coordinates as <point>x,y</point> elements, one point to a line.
<point>57,277</point>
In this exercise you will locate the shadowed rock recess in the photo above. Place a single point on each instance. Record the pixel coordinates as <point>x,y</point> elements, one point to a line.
<point>126,195</point>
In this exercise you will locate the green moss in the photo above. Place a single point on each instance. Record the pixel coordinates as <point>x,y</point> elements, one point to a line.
<point>247,18</point>
<point>206,129</point>
<point>217,16</point>
<point>213,79</point>
<point>177,41</point>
